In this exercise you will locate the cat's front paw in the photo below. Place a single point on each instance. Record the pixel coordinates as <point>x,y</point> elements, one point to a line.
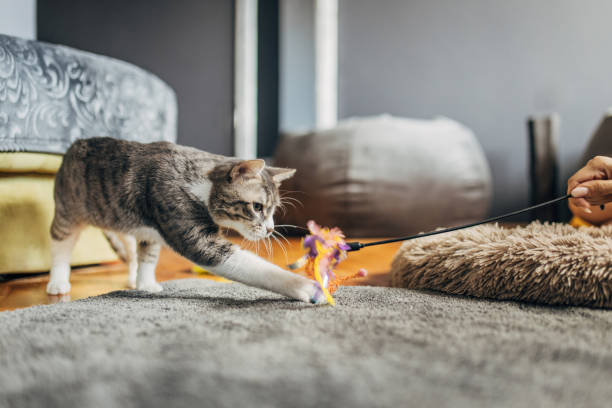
<point>152,287</point>
<point>58,287</point>
<point>319,297</point>
<point>309,291</point>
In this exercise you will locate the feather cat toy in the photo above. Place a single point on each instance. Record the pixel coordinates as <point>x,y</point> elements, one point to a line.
<point>325,249</point>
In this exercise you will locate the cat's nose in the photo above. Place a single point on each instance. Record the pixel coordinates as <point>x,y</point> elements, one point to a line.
<point>269,230</point>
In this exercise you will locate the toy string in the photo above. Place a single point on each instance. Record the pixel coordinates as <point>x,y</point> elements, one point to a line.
<point>356,246</point>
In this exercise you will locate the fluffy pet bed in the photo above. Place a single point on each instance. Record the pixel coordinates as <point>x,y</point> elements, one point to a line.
<point>554,264</point>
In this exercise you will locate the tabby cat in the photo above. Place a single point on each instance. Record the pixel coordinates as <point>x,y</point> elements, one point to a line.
<point>149,195</point>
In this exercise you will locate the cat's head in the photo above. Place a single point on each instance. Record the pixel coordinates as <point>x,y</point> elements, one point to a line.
<point>244,195</point>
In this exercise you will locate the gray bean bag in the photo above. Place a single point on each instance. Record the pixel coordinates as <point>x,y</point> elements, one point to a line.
<point>386,176</point>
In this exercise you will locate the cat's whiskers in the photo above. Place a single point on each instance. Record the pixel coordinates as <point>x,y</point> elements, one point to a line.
<point>282,236</point>
<point>250,245</point>
<point>282,208</point>
<point>271,247</point>
<point>282,246</point>
<point>291,200</point>
<point>286,199</point>
<point>291,226</point>
<point>284,204</point>
<point>282,191</point>
<point>266,243</point>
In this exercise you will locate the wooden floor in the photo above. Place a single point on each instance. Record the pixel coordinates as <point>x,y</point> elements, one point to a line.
<point>96,280</point>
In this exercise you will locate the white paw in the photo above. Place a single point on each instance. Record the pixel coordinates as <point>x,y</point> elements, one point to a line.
<point>131,283</point>
<point>309,291</point>
<point>58,287</point>
<point>152,287</point>
<point>318,298</point>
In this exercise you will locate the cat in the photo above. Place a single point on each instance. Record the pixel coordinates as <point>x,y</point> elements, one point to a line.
<point>149,195</point>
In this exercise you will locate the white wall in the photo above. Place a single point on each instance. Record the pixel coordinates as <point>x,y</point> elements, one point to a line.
<point>18,18</point>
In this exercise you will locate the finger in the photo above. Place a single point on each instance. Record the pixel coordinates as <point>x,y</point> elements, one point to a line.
<point>598,168</point>
<point>584,174</point>
<point>595,191</point>
<point>577,197</point>
<point>581,203</point>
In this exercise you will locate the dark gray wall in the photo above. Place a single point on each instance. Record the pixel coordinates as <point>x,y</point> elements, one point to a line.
<point>188,43</point>
<point>267,77</point>
<point>488,64</point>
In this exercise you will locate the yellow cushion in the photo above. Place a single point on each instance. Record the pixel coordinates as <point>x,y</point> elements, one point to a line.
<point>26,212</point>
<point>30,163</point>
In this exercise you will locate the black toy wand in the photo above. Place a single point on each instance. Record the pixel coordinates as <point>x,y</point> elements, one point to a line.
<point>356,246</point>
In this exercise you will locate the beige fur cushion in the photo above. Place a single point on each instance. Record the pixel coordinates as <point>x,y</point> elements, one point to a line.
<point>541,263</point>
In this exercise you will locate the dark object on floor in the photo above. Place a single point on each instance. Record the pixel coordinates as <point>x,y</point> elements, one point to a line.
<point>553,264</point>
<point>543,164</point>
<point>226,345</point>
<point>5,277</point>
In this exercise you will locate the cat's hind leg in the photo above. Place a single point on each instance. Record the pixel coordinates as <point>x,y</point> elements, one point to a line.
<point>63,238</point>
<point>148,253</point>
<point>131,259</point>
<point>125,246</point>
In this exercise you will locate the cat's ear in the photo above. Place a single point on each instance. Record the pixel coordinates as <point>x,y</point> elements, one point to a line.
<point>247,169</point>
<point>280,174</point>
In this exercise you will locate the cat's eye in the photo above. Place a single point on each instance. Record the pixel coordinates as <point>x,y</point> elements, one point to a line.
<point>257,207</point>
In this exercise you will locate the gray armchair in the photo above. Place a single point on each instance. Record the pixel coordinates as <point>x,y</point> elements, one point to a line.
<point>51,95</point>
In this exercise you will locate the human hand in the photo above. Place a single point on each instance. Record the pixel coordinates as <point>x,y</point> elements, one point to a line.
<point>592,184</point>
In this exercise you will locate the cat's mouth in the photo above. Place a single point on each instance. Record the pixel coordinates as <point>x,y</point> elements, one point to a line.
<point>259,232</point>
<point>257,235</point>
<point>251,234</point>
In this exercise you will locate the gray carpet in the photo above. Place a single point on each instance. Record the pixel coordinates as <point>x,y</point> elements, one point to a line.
<point>200,343</point>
